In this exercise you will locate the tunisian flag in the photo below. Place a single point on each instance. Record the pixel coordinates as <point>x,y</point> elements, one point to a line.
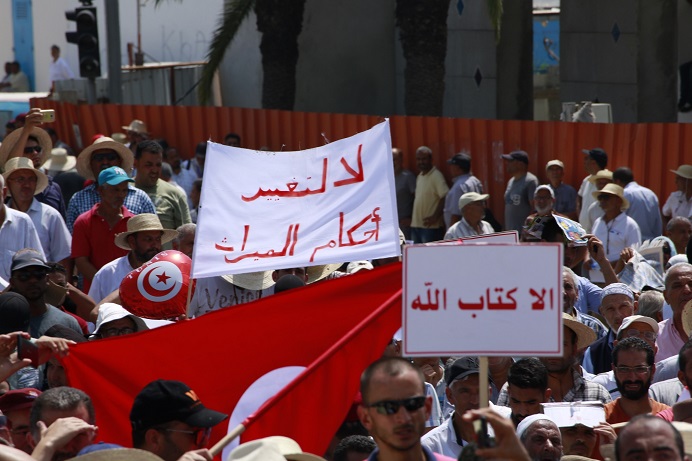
<point>333,328</point>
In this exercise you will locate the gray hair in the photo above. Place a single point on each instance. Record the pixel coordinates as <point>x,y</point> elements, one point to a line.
<point>184,230</point>
<point>650,303</point>
<point>676,268</point>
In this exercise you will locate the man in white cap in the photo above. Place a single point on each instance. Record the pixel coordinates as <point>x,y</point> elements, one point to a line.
<point>615,229</point>
<point>565,195</point>
<point>136,133</point>
<point>617,303</point>
<point>541,437</point>
<point>635,326</point>
<point>143,239</point>
<point>114,320</point>
<point>464,181</point>
<point>472,208</point>
<point>679,203</point>
<point>105,153</point>
<point>24,182</point>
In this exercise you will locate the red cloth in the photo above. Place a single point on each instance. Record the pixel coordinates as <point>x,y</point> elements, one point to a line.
<point>335,328</point>
<point>93,238</point>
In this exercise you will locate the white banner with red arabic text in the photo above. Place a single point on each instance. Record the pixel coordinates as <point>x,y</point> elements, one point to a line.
<point>271,210</point>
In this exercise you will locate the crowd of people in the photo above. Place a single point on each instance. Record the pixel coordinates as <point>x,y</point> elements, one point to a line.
<point>73,226</point>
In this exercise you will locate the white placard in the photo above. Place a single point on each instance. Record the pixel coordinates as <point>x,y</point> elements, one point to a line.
<point>493,299</point>
<point>496,237</point>
<point>272,210</point>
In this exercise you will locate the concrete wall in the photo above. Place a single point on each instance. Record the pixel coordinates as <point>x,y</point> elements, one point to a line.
<point>632,71</point>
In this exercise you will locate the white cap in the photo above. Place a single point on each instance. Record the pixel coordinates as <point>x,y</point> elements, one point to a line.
<point>355,266</point>
<point>109,312</point>
<point>637,318</point>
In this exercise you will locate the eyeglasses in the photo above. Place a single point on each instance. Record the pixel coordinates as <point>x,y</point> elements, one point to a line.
<point>391,407</point>
<point>26,275</point>
<point>640,370</point>
<point>110,156</point>
<point>201,435</point>
<point>110,332</point>
<point>31,150</point>
<point>650,335</point>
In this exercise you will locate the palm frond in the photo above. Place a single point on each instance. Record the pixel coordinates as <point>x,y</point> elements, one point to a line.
<point>495,12</point>
<point>234,13</point>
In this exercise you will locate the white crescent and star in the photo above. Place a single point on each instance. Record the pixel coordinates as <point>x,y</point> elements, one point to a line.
<point>160,282</point>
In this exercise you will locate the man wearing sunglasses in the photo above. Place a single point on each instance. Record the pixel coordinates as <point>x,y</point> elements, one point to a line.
<point>395,409</point>
<point>633,364</point>
<point>30,279</point>
<point>105,153</point>
<point>169,420</point>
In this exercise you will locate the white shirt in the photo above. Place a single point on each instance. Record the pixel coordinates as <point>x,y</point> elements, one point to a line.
<point>587,199</point>
<point>463,229</point>
<point>52,231</point>
<point>59,70</point>
<point>109,277</point>
<point>678,205</point>
<point>16,232</point>
<point>618,234</point>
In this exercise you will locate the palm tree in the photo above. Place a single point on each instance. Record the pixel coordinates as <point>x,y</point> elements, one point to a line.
<point>280,22</point>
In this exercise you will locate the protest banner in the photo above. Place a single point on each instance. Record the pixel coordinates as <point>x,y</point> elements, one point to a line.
<point>494,299</point>
<point>272,210</point>
<point>329,335</point>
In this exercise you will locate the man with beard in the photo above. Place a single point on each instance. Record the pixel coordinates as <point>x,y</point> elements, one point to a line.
<point>30,279</point>
<point>143,239</point>
<point>633,363</point>
<point>394,410</point>
<point>541,437</point>
<point>527,388</point>
<point>565,377</point>
<point>648,437</point>
<point>544,202</point>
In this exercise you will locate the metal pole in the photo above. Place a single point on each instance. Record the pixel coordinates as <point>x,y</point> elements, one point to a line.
<point>115,91</point>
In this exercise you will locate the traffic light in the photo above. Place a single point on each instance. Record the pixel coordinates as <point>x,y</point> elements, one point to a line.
<point>87,40</point>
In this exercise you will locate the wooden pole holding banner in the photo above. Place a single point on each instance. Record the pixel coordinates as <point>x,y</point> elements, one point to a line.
<point>483,397</point>
<point>228,438</point>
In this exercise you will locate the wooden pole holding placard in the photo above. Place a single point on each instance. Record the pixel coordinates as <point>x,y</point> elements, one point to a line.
<point>483,397</point>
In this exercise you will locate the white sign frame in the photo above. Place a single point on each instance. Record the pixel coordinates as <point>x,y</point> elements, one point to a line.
<point>443,278</point>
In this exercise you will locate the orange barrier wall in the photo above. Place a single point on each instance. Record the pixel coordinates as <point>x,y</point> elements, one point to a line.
<point>651,150</point>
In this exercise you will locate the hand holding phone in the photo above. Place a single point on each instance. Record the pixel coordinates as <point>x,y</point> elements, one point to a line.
<point>48,116</point>
<point>26,349</point>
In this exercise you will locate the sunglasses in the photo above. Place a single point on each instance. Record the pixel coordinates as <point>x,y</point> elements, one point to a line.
<point>31,150</point>
<point>391,407</point>
<point>110,156</point>
<point>201,435</point>
<point>110,332</point>
<point>26,275</point>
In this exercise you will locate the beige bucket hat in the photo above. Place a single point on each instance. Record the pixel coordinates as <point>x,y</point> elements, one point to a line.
<point>613,189</point>
<point>24,163</point>
<point>104,142</point>
<point>142,223</point>
<point>11,139</point>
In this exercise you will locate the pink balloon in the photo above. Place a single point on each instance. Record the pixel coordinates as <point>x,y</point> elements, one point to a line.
<point>158,289</point>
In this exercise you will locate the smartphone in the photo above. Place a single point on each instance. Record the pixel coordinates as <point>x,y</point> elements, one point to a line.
<point>48,116</point>
<point>27,350</point>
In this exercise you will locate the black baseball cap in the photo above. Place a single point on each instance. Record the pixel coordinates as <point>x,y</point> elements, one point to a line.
<point>461,368</point>
<point>518,155</point>
<point>27,258</point>
<point>162,401</point>
<point>598,154</point>
<point>462,160</point>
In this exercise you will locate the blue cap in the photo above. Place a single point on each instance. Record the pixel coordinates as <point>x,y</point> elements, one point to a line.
<point>113,176</point>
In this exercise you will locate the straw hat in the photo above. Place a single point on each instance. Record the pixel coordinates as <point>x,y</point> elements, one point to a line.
<point>142,223</point>
<point>684,170</point>
<point>24,163</point>
<point>118,454</point>
<point>252,280</point>
<point>271,448</point>
<point>104,142</point>
<point>585,335</point>
<point>120,137</point>
<point>60,160</point>
<point>11,139</point>
<point>613,189</point>
<point>137,126</point>
<point>316,273</point>
<point>602,174</point>
<point>470,197</point>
